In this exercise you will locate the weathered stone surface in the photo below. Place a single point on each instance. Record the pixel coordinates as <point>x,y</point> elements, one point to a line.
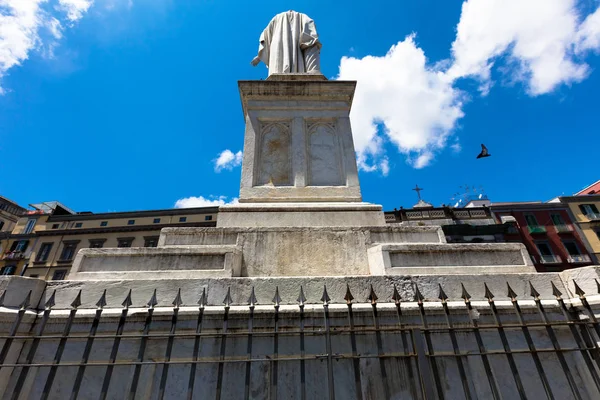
<point>161,262</point>
<point>298,141</point>
<point>300,215</point>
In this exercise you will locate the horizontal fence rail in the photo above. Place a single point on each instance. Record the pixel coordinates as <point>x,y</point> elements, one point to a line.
<point>392,348</point>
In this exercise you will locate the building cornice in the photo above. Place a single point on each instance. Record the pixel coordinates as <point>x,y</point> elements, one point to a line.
<point>132,214</point>
<point>125,228</point>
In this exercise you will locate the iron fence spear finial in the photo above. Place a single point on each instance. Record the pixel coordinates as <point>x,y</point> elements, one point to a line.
<point>488,293</point>
<point>396,296</point>
<point>177,302</point>
<point>372,296</point>
<point>276,298</point>
<point>2,296</point>
<point>102,301</point>
<point>557,293</point>
<point>301,298</point>
<point>511,293</point>
<point>153,301</point>
<point>348,297</point>
<point>464,295</point>
<point>227,300</point>
<point>51,301</point>
<point>597,285</point>
<point>77,302</point>
<point>578,290</point>
<point>252,299</point>
<point>325,297</point>
<point>532,292</point>
<point>442,295</point>
<point>418,296</point>
<point>26,302</point>
<point>127,302</point>
<point>202,300</point>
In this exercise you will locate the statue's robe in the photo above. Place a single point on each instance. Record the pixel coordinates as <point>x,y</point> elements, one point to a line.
<point>290,44</point>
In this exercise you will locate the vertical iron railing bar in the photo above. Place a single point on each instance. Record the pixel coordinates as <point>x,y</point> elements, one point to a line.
<point>592,316</point>
<point>555,343</point>
<point>33,348</point>
<point>330,383</point>
<point>88,347</point>
<point>14,328</point>
<point>373,300</point>
<point>423,365</point>
<point>530,344</point>
<point>274,363</point>
<point>429,347</point>
<point>227,302</point>
<point>407,361</point>
<point>301,300</point>
<point>355,360</point>
<point>505,344</point>
<point>113,353</point>
<point>142,349</point>
<point>165,372</point>
<point>61,347</point>
<point>484,357</point>
<point>251,304</point>
<point>192,379</point>
<point>578,339</point>
<point>467,387</point>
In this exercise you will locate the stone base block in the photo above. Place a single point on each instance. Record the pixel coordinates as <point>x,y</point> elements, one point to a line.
<point>300,215</point>
<point>408,259</point>
<point>168,262</point>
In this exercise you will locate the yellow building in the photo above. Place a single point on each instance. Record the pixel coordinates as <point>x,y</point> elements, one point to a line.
<point>44,242</point>
<point>10,212</point>
<point>586,212</point>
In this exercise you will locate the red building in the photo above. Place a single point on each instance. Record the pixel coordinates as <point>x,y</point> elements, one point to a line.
<point>547,231</point>
<point>594,188</point>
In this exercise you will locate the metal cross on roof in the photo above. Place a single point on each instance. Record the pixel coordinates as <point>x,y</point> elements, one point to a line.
<point>418,190</point>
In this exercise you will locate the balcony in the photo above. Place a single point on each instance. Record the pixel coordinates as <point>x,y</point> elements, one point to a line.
<point>563,228</point>
<point>580,258</point>
<point>550,259</point>
<point>13,255</point>
<point>593,216</point>
<point>536,229</point>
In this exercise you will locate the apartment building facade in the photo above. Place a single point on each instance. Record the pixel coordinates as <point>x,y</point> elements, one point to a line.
<point>585,209</point>
<point>548,232</point>
<point>46,248</point>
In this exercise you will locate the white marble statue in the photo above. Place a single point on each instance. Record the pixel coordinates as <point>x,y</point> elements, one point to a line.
<point>289,44</point>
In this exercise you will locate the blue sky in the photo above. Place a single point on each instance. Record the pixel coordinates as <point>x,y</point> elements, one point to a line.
<point>110,105</point>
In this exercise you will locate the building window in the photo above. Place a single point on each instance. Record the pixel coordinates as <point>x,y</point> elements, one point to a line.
<point>589,209</point>
<point>78,225</point>
<point>546,254</point>
<point>68,251</point>
<point>97,243</point>
<point>59,275</point>
<point>150,241</point>
<point>131,222</point>
<point>44,252</point>
<point>104,223</point>
<point>29,227</point>
<point>598,234</point>
<point>1,225</point>
<point>55,226</point>
<point>8,270</point>
<point>531,220</point>
<point>19,245</point>
<point>124,242</point>
<point>571,247</point>
<point>156,220</point>
<point>557,219</point>
<point>182,219</point>
<point>208,218</point>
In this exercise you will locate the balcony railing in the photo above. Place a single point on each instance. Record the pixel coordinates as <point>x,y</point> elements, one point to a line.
<point>593,216</point>
<point>550,259</point>
<point>536,229</point>
<point>581,258</point>
<point>13,255</point>
<point>563,228</point>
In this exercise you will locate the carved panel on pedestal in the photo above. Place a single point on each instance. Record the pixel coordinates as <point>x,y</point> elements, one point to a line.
<point>274,163</point>
<point>324,159</point>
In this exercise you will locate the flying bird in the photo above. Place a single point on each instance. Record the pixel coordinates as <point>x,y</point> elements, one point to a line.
<point>484,152</point>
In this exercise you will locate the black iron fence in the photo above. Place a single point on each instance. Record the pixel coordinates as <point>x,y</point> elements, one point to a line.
<point>379,348</point>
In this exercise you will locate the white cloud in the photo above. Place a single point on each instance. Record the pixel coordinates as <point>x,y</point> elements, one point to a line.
<point>200,201</point>
<point>227,160</point>
<point>75,9</point>
<point>415,106</point>
<point>400,98</point>
<point>538,37</point>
